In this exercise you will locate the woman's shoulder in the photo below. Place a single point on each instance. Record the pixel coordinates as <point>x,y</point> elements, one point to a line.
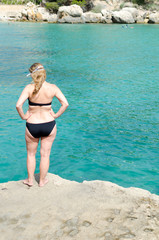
<point>51,85</point>
<point>30,87</point>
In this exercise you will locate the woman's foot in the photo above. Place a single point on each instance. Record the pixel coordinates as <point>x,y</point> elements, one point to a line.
<point>43,182</point>
<point>28,182</point>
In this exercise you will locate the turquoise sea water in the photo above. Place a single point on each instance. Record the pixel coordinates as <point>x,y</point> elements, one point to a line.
<point>110,76</point>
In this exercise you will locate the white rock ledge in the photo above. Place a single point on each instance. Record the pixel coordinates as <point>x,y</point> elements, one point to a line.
<point>63,209</point>
<point>108,12</point>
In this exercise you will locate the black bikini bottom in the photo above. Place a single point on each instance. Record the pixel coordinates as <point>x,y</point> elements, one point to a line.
<point>38,130</point>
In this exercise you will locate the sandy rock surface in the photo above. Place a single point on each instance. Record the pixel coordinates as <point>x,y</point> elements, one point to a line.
<point>10,12</point>
<point>12,8</point>
<point>63,209</point>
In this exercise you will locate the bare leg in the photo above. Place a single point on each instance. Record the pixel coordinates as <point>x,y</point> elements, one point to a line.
<point>46,144</point>
<point>31,144</point>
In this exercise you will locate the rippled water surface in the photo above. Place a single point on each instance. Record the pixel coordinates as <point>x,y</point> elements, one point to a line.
<point>110,76</point>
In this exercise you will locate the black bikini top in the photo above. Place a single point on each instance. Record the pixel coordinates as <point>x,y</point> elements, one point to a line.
<point>38,104</point>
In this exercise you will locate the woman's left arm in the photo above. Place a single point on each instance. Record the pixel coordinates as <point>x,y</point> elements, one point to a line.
<point>23,97</point>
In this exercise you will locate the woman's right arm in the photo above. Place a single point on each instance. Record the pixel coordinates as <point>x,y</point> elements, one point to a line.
<point>64,103</point>
<point>19,106</point>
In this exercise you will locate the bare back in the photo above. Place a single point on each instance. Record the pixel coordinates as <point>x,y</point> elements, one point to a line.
<point>41,114</point>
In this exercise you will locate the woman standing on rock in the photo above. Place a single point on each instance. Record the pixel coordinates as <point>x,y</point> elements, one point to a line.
<point>40,120</point>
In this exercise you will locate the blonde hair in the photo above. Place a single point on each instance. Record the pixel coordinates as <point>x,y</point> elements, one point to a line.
<point>38,75</point>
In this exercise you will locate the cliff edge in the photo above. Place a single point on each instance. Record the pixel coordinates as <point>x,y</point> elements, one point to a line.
<point>65,210</point>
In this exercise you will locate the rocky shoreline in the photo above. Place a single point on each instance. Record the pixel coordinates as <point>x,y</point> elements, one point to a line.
<point>67,210</point>
<point>104,12</point>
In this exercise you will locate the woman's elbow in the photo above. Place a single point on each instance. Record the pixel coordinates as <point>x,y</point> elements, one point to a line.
<point>66,105</point>
<point>18,106</point>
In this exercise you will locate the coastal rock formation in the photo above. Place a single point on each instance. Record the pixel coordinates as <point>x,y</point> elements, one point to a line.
<point>70,19</point>
<point>98,6</point>
<point>107,15</point>
<point>109,11</point>
<point>90,17</point>
<point>32,12</point>
<point>154,18</point>
<point>73,10</point>
<point>45,15</point>
<point>68,210</point>
<point>132,10</point>
<point>70,14</point>
<point>108,4</point>
<point>122,17</point>
<point>142,16</point>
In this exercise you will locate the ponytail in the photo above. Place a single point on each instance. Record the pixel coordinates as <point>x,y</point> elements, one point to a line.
<point>38,74</point>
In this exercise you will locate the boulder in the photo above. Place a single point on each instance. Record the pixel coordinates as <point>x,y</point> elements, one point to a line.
<point>52,18</point>
<point>24,13</point>
<point>154,18</point>
<point>142,16</point>
<point>140,19</point>
<point>107,15</point>
<point>70,19</point>
<point>38,16</point>
<point>73,10</point>
<point>146,15</point>
<point>122,17</point>
<point>30,14</point>
<point>132,10</point>
<point>43,13</point>
<point>35,13</point>
<point>142,13</point>
<point>90,17</point>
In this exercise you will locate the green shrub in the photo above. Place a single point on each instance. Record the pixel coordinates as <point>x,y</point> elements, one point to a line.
<point>12,2</point>
<point>38,2</point>
<point>139,2</point>
<point>52,6</point>
<point>121,5</point>
<point>62,2</point>
<point>151,7</point>
<point>80,3</point>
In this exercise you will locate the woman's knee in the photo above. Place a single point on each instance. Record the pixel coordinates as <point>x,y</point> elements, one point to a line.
<point>44,152</point>
<point>31,154</point>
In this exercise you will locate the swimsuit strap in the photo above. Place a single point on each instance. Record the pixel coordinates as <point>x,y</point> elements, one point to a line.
<point>38,104</point>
